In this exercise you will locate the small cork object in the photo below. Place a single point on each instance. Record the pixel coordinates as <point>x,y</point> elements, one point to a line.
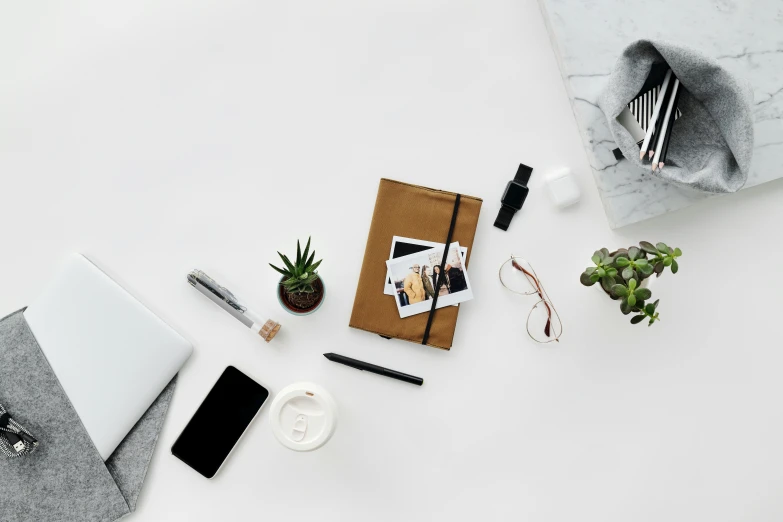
<point>269,330</point>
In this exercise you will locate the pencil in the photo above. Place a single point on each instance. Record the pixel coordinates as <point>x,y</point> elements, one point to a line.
<point>659,124</point>
<point>669,116</point>
<point>668,134</point>
<point>656,111</point>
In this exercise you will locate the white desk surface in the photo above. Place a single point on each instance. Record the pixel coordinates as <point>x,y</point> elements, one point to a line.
<point>157,137</point>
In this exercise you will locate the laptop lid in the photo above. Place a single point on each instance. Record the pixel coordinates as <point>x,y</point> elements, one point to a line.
<point>111,354</point>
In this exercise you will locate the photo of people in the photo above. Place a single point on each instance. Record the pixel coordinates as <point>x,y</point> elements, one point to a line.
<point>418,277</point>
<point>403,246</point>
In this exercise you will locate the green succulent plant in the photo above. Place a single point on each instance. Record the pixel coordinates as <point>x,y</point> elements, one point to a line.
<point>622,272</point>
<point>603,271</point>
<point>299,276</point>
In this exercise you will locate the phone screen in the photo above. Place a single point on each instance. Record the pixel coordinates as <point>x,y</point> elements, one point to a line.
<point>219,422</point>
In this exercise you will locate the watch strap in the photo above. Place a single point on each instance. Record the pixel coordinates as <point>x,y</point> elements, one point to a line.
<point>504,217</point>
<point>523,174</point>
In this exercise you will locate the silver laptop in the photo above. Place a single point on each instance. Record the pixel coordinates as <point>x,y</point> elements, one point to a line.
<point>111,354</point>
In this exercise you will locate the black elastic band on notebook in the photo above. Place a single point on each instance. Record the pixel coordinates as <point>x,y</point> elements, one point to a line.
<point>442,271</point>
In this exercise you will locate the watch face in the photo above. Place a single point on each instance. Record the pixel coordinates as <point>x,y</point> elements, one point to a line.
<point>514,195</point>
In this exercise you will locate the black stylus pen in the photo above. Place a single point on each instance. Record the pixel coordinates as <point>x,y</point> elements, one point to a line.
<point>380,370</point>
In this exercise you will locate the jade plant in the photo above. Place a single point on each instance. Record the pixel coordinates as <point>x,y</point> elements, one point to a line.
<point>622,273</point>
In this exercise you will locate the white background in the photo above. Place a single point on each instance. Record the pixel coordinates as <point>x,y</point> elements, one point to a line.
<point>157,137</point>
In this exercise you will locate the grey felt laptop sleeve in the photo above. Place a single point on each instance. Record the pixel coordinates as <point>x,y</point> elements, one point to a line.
<point>65,479</point>
<point>712,143</point>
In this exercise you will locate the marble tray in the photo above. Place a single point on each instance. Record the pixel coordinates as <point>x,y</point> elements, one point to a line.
<point>745,36</point>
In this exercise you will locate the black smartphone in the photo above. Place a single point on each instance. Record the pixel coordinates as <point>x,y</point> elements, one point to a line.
<point>219,422</point>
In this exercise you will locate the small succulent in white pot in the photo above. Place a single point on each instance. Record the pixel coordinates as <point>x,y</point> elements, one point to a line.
<point>301,290</point>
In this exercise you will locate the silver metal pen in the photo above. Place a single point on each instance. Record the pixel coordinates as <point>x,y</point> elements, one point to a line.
<point>226,300</point>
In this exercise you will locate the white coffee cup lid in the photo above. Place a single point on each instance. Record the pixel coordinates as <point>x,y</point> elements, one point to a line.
<point>303,416</point>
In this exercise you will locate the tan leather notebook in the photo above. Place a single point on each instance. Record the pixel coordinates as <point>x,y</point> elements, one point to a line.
<point>419,213</point>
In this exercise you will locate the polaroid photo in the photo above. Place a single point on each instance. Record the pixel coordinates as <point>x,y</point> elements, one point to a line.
<point>414,278</point>
<point>403,246</point>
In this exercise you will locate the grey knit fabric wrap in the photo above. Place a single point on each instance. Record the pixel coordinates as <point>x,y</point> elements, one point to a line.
<point>65,479</point>
<point>711,146</point>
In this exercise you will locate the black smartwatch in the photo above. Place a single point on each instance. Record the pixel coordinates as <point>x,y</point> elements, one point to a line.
<point>513,197</point>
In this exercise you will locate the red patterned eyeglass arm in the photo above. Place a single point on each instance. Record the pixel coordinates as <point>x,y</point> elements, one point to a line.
<point>540,292</point>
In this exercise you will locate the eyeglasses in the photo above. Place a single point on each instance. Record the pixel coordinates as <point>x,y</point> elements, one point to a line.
<point>543,322</point>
